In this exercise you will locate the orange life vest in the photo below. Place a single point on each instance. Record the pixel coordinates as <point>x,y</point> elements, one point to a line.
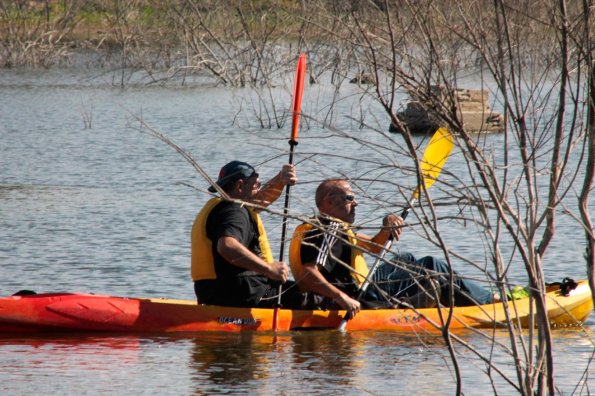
<point>358,262</point>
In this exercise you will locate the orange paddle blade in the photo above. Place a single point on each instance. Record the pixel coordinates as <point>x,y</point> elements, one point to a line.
<point>298,90</point>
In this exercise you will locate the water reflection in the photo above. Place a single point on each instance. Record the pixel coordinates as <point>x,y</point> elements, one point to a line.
<point>327,352</point>
<point>317,362</point>
<point>320,362</point>
<point>251,361</point>
<point>230,361</point>
<point>68,351</point>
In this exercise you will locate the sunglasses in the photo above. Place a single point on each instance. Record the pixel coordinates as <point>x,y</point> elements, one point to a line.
<point>348,197</point>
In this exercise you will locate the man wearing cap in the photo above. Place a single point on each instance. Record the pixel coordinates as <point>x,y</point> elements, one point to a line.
<point>232,262</point>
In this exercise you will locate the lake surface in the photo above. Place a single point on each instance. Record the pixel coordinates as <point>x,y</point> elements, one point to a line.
<point>89,204</point>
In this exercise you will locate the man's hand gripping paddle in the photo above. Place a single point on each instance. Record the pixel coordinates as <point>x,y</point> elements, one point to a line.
<point>432,162</point>
<point>298,89</point>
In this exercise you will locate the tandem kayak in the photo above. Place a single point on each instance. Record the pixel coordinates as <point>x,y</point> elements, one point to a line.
<point>77,312</point>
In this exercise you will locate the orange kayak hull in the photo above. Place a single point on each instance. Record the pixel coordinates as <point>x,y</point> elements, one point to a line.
<point>76,312</point>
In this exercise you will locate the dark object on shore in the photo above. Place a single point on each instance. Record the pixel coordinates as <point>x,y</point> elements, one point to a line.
<point>473,110</point>
<point>363,79</point>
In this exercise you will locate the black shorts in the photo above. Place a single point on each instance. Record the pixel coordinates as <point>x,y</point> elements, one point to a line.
<point>252,290</point>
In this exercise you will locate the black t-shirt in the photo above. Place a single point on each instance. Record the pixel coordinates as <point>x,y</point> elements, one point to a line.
<point>333,264</point>
<point>234,286</point>
<point>233,220</point>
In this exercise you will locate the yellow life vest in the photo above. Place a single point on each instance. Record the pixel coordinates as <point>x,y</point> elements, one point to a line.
<point>358,262</point>
<point>202,261</point>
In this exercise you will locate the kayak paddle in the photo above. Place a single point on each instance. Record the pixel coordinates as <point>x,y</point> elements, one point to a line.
<point>298,89</point>
<point>432,162</point>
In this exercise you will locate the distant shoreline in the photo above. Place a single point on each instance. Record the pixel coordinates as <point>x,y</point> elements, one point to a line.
<point>248,43</point>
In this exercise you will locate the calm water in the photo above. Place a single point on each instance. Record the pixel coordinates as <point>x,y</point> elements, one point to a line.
<point>103,208</point>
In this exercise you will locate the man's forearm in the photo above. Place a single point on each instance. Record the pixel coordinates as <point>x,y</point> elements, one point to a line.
<point>374,244</point>
<point>270,191</point>
<point>313,281</point>
<point>239,255</point>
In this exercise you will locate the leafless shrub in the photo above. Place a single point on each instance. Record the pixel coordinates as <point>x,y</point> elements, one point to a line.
<point>32,36</point>
<point>512,200</point>
<point>87,114</point>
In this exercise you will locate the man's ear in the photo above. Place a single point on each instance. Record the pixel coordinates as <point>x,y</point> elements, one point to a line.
<point>239,185</point>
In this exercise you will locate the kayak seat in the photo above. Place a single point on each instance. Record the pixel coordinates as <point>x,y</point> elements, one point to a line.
<point>24,293</point>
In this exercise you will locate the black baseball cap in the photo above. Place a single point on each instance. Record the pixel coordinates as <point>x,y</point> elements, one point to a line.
<point>233,171</point>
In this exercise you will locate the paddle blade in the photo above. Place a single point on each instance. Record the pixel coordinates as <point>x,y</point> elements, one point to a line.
<point>434,158</point>
<point>298,90</point>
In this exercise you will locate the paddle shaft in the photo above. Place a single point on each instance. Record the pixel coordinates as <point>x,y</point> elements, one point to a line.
<point>298,89</point>
<point>366,284</point>
<point>292,144</point>
<point>433,160</point>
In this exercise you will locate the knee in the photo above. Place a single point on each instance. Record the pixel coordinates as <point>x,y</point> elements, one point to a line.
<point>383,271</point>
<point>434,264</point>
<point>404,257</point>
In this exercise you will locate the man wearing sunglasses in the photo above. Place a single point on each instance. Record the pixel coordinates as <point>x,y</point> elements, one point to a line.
<point>232,262</point>
<point>326,258</point>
